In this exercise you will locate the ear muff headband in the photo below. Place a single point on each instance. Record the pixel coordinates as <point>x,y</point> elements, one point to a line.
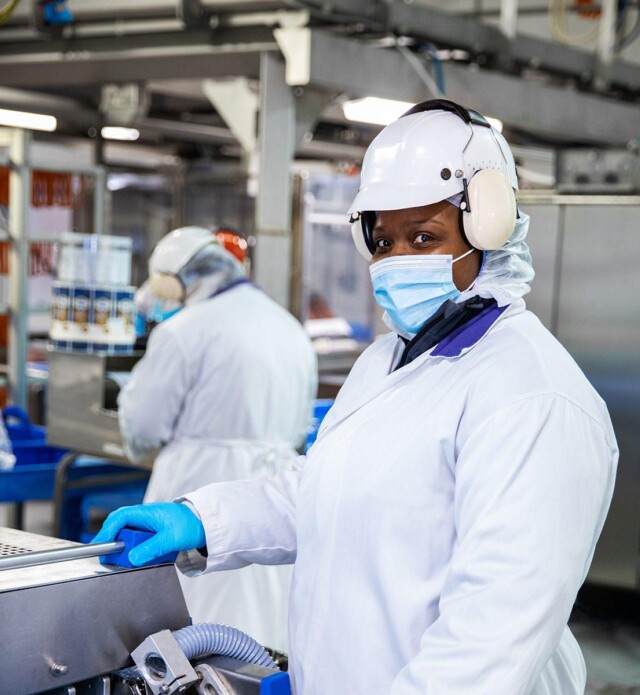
<point>167,286</point>
<point>467,115</point>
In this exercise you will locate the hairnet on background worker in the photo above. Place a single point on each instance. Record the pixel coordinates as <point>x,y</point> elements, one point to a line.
<point>446,516</point>
<point>225,391</point>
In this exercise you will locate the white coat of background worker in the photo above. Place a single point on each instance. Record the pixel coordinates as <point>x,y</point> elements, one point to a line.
<point>446,516</point>
<point>226,390</point>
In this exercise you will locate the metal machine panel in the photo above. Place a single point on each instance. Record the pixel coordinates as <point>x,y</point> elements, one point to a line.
<point>64,623</point>
<point>599,323</point>
<point>76,414</point>
<point>598,171</point>
<point>543,241</point>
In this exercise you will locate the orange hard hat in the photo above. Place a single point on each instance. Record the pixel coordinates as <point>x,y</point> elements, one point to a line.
<point>233,243</point>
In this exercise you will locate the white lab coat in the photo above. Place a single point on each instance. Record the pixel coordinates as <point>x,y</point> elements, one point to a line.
<point>441,525</point>
<point>226,387</point>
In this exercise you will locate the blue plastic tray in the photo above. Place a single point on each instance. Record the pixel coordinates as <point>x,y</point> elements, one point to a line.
<point>29,442</point>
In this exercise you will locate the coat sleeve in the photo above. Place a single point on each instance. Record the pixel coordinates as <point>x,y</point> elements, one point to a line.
<point>245,522</point>
<point>150,404</point>
<point>533,485</point>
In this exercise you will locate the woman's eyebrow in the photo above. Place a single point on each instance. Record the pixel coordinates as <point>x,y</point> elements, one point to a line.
<point>414,223</point>
<point>432,220</point>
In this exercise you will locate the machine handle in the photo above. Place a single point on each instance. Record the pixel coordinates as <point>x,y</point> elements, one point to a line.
<point>118,550</point>
<point>45,557</point>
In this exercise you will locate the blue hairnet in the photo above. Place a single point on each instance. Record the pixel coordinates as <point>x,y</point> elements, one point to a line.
<point>507,272</point>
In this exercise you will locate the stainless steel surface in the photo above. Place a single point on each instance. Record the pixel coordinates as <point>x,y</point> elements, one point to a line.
<point>13,542</point>
<point>595,313</point>
<point>163,664</point>
<point>45,557</point>
<point>76,416</point>
<point>68,622</point>
<point>543,240</point>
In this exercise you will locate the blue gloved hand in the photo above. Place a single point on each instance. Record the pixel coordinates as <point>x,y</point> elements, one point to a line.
<point>176,528</point>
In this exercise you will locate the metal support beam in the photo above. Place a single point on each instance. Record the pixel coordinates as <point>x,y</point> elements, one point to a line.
<point>348,65</point>
<point>361,70</point>
<point>509,18</point>
<point>547,110</point>
<point>446,29</point>
<point>96,60</point>
<point>99,195</point>
<point>273,206</point>
<point>19,205</point>
<point>606,42</point>
<point>71,110</point>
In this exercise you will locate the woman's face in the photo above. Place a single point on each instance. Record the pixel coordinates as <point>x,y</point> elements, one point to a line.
<point>425,230</point>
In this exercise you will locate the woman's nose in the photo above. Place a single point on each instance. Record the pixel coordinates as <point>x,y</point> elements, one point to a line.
<point>403,248</point>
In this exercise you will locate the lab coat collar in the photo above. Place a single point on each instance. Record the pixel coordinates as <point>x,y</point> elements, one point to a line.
<point>378,375</point>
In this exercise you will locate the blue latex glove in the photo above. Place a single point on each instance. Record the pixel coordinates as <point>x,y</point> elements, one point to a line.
<point>176,528</point>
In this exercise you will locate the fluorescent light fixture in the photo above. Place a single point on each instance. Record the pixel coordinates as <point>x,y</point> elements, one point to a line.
<point>385,111</point>
<point>29,121</point>
<point>495,123</point>
<point>375,110</point>
<point>116,133</point>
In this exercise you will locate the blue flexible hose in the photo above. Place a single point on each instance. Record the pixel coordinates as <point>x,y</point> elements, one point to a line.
<point>205,639</point>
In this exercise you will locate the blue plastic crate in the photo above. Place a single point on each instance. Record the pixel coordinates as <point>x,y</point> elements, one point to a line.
<point>29,442</point>
<point>19,427</point>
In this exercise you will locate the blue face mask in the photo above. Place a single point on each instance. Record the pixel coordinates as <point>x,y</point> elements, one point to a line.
<point>412,288</point>
<point>160,314</point>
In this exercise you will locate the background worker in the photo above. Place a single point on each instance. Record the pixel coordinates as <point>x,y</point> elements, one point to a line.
<point>225,391</point>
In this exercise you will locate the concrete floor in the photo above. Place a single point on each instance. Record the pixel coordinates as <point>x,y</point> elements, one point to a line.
<point>607,626</point>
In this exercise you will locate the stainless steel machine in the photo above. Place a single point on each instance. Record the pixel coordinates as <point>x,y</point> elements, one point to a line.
<point>82,417</point>
<point>586,252</point>
<point>77,627</point>
<point>82,393</point>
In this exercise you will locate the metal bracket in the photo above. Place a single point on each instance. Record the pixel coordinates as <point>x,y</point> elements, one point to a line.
<point>193,14</point>
<point>163,664</point>
<point>211,682</point>
<point>237,103</point>
<point>295,44</point>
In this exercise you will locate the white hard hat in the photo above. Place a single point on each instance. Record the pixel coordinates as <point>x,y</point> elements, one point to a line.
<point>429,154</point>
<point>171,255</point>
<point>178,247</point>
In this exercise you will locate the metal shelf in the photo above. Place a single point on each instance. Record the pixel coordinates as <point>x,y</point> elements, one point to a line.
<point>18,142</point>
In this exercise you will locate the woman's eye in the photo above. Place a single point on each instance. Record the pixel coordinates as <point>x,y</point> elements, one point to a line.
<point>422,238</point>
<point>381,243</point>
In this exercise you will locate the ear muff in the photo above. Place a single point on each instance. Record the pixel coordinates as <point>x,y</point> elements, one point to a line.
<point>167,286</point>
<point>358,240</point>
<point>362,224</point>
<point>490,217</point>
